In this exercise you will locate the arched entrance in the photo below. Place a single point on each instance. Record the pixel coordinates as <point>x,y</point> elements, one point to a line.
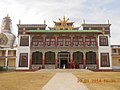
<point>90,57</point>
<point>50,57</point>
<point>77,58</point>
<point>64,59</point>
<point>36,58</point>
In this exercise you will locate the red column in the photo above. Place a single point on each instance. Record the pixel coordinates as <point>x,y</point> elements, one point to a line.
<point>84,60</point>
<point>96,44</point>
<point>71,60</point>
<point>56,61</point>
<point>43,61</point>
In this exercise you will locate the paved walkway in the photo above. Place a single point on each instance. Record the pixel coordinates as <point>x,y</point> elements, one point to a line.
<point>64,81</point>
<point>64,70</point>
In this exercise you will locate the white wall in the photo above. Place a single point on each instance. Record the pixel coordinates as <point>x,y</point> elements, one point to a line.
<point>23,49</point>
<point>104,49</point>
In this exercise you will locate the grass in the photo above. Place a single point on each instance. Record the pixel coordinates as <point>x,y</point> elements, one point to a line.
<point>35,81</point>
<point>24,81</point>
<point>100,80</point>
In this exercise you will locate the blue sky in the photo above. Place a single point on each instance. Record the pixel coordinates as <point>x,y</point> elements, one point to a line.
<point>35,11</point>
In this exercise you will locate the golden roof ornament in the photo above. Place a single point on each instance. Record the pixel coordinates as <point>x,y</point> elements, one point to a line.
<point>63,18</point>
<point>63,24</point>
<point>6,24</point>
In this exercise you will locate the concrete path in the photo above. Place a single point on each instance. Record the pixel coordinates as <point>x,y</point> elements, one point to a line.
<point>64,70</point>
<point>64,81</point>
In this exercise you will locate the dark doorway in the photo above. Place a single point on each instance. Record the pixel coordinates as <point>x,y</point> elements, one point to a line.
<point>63,63</point>
<point>64,59</point>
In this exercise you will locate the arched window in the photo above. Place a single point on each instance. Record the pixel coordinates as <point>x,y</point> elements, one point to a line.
<point>78,57</point>
<point>37,57</point>
<point>90,57</point>
<point>50,57</point>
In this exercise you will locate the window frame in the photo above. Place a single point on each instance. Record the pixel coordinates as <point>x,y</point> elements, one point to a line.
<point>89,42</point>
<point>103,42</point>
<point>21,58</point>
<point>78,41</point>
<point>24,43</point>
<point>105,61</point>
<point>50,41</point>
<point>37,41</point>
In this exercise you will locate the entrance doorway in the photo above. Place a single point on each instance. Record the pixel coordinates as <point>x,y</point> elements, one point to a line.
<point>64,58</point>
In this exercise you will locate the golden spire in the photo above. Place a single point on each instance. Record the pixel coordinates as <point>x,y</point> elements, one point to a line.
<point>6,24</point>
<point>63,18</point>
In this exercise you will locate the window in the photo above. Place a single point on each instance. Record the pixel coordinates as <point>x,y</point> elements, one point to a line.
<point>24,41</point>
<point>23,60</point>
<point>90,41</point>
<point>118,51</point>
<point>119,61</point>
<point>105,60</point>
<point>78,57</point>
<point>60,41</point>
<point>40,41</point>
<point>50,41</point>
<point>64,41</point>
<point>53,41</point>
<point>67,41</point>
<point>103,41</point>
<point>50,57</point>
<point>37,57</point>
<point>2,53</point>
<point>78,41</point>
<point>37,41</point>
<point>11,53</point>
<point>90,57</point>
<point>114,50</point>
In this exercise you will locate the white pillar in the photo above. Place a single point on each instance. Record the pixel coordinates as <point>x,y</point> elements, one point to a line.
<point>6,59</point>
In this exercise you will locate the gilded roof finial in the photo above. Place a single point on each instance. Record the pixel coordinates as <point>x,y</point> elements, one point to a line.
<point>64,18</point>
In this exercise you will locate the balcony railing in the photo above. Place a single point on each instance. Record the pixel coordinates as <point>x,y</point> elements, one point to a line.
<point>63,44</point>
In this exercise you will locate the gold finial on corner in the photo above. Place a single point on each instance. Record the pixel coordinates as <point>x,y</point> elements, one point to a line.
<point>64,18</point>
